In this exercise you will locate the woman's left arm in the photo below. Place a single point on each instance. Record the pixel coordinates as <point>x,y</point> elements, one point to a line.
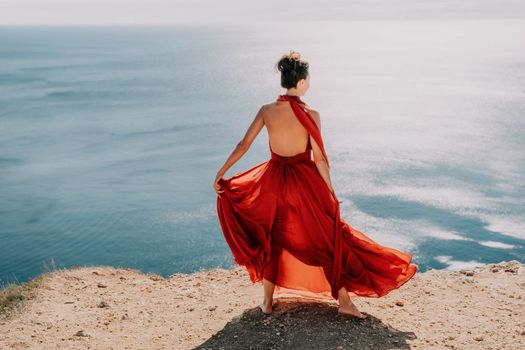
<point>242,146</point>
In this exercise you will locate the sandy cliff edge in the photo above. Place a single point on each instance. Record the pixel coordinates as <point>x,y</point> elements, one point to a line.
<point>101,307</point>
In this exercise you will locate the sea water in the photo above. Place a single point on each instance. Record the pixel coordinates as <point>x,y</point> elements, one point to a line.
<point>111,136</point>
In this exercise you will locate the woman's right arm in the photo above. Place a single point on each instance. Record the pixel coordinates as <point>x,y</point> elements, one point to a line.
<point>320,161</point>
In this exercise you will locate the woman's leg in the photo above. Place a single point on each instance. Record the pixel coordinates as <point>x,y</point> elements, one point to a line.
<point>344,298</point>
<point>268,293</point>
<point>270,274</point>
<point>266,305</point>
<point>346,306</point>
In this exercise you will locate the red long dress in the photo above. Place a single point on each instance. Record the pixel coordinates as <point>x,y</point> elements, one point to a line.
<point>282,223</point>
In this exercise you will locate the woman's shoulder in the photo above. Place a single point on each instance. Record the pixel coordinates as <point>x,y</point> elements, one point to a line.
<point>314,113</point>
<point>272,105</point>
<point>310,109</point>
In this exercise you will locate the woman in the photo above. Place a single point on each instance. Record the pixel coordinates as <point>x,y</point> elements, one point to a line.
<point>281,218</point>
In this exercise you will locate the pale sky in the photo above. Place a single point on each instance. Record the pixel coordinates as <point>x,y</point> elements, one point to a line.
<point>176,11</point>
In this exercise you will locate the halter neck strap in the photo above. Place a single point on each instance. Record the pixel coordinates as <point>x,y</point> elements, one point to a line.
<point>305,119</point>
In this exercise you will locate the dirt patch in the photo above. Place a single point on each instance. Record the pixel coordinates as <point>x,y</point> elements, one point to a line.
<point>101,307</point>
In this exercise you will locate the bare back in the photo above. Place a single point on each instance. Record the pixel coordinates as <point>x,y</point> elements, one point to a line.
<point>287,136</point>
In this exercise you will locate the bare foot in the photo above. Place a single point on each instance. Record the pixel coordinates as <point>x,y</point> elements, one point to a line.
<point>266,308</point>
<point>350,309</point>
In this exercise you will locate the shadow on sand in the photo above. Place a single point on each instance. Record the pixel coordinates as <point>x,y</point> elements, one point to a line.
<point>299,324</point>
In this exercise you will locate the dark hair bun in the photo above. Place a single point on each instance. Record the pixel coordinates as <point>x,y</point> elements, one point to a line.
<point>292,69</point>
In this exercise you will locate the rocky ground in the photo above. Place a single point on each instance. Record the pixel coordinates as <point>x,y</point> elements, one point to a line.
<point>108,308</point>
